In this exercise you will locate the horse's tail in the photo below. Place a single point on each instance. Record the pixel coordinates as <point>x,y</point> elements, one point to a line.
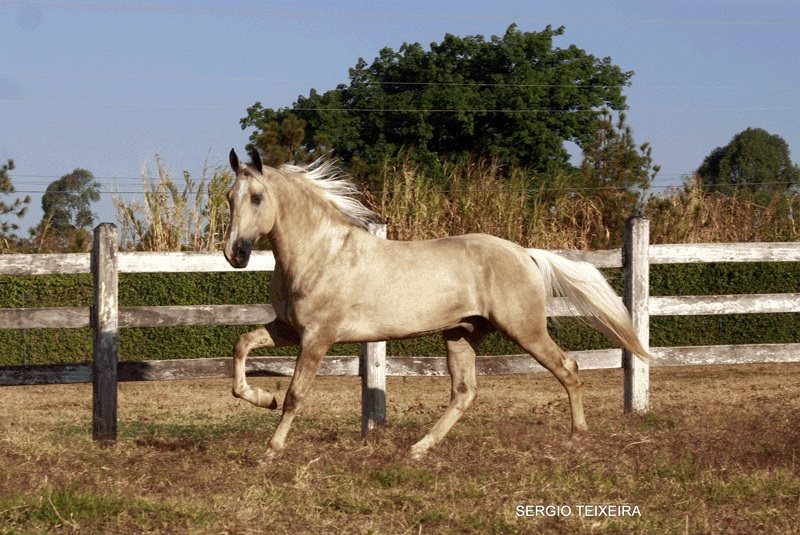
<point>593,298</point>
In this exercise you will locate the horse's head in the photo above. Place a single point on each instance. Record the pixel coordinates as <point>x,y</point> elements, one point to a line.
<point>252,209</point>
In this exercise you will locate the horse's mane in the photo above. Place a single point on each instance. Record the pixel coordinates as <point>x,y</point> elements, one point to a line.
<point>333,185</point>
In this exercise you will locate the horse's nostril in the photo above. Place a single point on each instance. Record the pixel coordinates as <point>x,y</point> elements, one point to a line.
<point>242,256</point>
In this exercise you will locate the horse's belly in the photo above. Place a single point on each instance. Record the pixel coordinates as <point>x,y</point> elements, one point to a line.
<point>411,311</point>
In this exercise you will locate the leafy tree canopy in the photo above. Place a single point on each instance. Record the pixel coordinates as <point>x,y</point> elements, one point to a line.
<point>612,160</point>
<point>17,207</point>
<point>516,98</point>
<point>754,159</point>
<point>67,201</point>
<point>616,173</point>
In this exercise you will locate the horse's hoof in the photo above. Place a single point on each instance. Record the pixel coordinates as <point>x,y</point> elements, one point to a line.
<point>417,452</point>
<point>414,455</point>
<point>266,399</point>
<point>269,457</point>
<point>577,436</point>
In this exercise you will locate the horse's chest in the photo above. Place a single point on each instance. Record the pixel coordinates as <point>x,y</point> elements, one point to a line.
<point>292,306</point>
<point>317,298</point>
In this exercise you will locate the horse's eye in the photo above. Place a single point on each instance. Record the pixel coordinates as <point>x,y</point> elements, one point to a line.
<point>256,198</point>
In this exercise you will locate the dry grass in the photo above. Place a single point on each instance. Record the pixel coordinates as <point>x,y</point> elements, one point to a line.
<point>481,196</point>
<point>485,197</point>
<point>717,455</point>
<point>691,214</point>
<point>169,218</point>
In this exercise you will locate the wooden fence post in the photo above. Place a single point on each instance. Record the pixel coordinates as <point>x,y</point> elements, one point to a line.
<point>372,368</point>
<point>104,321</point>
<point>637,292</point>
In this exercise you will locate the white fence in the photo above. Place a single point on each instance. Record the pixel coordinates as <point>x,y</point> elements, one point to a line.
<point>106,317</point>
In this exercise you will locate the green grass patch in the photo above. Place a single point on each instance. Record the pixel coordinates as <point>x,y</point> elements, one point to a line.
<point>56,509</point>
<point>655,421</point>
<point>402,476</point>
<point>766,487</point>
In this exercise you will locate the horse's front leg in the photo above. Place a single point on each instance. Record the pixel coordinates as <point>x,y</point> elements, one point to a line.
<point>274,334</point>
<point>312,351</point>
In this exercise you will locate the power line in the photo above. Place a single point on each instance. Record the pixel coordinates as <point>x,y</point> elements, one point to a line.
<point>233,78</point>
<point>106,178</point>
<point>257,12</point>
<point>533,188</point>
<point>142,105</point>
<point>543,110</point>
<point>101,179</point>
<point>509,111</point>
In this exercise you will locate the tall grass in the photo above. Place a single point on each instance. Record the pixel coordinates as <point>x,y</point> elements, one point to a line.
<point>481,196</point>
<point>691,214</point>
<point>172,218</point>
<point>547,212</point>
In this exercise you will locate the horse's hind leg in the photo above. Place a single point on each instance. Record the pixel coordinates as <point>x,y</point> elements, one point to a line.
<point>559,363</point>
<point>461,347</point>
<point>274,334</point>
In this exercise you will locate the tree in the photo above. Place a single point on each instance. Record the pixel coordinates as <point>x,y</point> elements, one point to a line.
<point>17,207</point>
<point>67,201</point>
<point>754,159</point>
<point>515,98</point>
<point>280,140</point>
<point>616,172</point>
<point>612,160</point>
<point>67,213</point>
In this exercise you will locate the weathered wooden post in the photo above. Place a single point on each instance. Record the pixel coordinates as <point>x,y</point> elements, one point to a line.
<point>104,320</point>
<point>372,368</point>
<point>637,293</point>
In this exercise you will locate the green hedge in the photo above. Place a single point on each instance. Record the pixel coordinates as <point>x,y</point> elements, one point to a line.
<point>721,279</point>
<point>74,345</point>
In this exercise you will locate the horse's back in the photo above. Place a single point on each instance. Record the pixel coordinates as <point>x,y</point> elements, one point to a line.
<point>479,257</point>
<point>473,246</point>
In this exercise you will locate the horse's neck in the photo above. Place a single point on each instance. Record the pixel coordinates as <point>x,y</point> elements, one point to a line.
<point>305,234</point>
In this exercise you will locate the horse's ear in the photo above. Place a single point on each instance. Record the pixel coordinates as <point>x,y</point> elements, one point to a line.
<point>234,161</point>
<point>255,158</point>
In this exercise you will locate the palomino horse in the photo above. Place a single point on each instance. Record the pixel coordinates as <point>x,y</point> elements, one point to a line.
<point>335,282</point>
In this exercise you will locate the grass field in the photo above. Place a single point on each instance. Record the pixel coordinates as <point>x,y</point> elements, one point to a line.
<point>718,454</point>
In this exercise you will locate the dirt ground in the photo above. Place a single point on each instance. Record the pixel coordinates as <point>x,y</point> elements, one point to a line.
<point>718,453</point>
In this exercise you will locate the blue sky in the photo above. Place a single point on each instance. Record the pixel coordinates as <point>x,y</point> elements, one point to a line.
<point>107,85</point>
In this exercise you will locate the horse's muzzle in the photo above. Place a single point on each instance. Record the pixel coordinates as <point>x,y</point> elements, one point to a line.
<point>239,254</point>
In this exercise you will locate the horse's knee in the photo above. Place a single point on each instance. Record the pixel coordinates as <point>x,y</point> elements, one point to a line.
<point>463,395</point>
<point>292,401</point>
<point>251,340</point>
<point>242,346</point>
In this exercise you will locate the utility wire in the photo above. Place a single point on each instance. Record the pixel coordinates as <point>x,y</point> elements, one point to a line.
<point>446,189</point>
<point>233,78</point>
<point>508,111</point>
<point>110,180</point>
<point>188,8</point>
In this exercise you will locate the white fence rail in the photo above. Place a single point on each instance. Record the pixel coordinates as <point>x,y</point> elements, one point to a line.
<point>372,364</point>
